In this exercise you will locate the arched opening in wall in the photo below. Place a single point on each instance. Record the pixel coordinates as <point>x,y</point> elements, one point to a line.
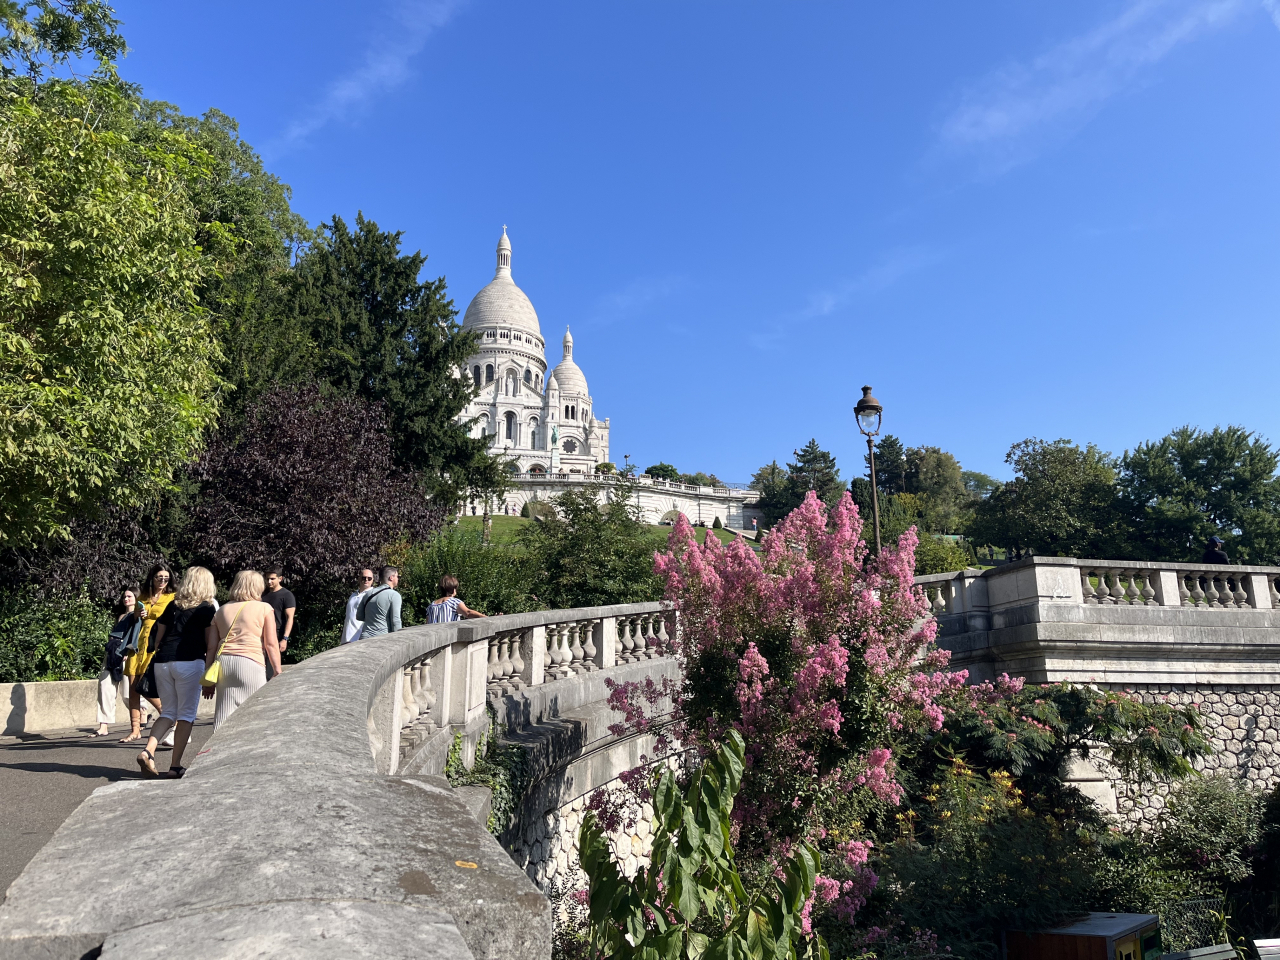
<point>513,468</point>
<point>573,413</point>
<point>533,432</point>
<point>488,373</point>
<point>528,376</point>
<point>483,425</point>
<point>511,427</point>
<point>538,469</point>
<point>669,518</point>
<point>475,374</point>
<point>566,411</point>
<point>571,446</point>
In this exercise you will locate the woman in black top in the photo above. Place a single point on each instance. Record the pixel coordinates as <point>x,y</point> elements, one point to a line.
<point>180,639</point>
<point>121,641</point>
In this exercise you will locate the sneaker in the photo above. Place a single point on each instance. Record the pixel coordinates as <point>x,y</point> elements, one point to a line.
<point>168,739</point>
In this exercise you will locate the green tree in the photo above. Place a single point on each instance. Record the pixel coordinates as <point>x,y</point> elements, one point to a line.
<point>978,485</point>
<point>107,361</point>
<point>663,471</point>
<point>891,465</point>
<point>382,334</point>
<point>775,494</point>
<point>1194,484</point>
<point>1063,501</point>
<point>815,470</point>
<point>935,477</point>
<point>42,33</point>
<point>594,550</point>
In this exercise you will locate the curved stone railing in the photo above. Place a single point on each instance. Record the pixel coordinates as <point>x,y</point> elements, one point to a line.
<point>316,817</point>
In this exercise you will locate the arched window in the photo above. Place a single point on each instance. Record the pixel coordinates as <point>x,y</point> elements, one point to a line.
<point>475,373</point>
<point>573,413</point>
<point>566,411</point>
<point>511,427</point>
<point>488,373</point>
<point>483,424</point>
<point>528,376</point>
<point>533,433</point>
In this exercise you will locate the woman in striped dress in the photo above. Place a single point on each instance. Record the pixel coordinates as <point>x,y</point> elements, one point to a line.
<point>449,608</point>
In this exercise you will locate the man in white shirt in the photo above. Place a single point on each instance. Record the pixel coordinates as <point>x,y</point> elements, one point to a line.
<point>351,627</point>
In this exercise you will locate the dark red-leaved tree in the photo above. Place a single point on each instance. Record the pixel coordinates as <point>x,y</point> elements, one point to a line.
<point>310,482</point>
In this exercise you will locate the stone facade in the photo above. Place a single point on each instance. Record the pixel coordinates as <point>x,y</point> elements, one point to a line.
<point>1242,723</point>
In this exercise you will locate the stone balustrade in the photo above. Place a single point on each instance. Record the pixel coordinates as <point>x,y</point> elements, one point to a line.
<point>316,818</point>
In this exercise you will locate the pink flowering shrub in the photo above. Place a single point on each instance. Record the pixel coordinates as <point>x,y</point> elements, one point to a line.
<point>819,654</point>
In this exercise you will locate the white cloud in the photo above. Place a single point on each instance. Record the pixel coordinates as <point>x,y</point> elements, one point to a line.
<point>892,268</point>
<point>1017,110</point>
<point>384,65</point>
<point>635,297</point>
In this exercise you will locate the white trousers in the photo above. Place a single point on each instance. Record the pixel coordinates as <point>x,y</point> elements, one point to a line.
<point>178,684</point>
<point>108,690</point>
<point>238,680</point>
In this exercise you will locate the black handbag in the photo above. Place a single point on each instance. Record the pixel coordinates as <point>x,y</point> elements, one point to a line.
<point>147,685</point>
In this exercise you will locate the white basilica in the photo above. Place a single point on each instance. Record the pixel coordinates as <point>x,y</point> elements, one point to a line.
<point>546,428</point>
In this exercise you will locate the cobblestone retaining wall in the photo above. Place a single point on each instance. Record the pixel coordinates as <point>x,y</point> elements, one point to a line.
<point>1242,723</point>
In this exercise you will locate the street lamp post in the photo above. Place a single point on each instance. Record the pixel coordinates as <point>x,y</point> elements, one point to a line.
<point>869,414</point>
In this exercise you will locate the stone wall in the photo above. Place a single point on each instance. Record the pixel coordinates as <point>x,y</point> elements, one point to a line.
<point>1243,724</point>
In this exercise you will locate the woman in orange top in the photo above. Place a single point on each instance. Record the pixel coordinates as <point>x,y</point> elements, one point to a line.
<point>246,633</point>
<point>157,594</point>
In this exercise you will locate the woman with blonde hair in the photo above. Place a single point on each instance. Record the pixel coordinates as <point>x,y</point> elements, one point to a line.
<point>243,640</point>
<point>157,594</point>
<point>180,639</point>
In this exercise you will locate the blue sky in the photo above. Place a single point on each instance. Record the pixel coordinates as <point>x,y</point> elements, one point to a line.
<point>1012,219</point>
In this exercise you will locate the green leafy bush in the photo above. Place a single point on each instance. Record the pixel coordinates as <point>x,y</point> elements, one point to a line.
<point>939,555</point>
<point>499,766</point>
<point>692,901</point>
<point>492,578</point>
<point>55,639</point>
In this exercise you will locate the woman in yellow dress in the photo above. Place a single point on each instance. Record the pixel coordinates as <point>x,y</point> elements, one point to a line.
<point>157,593</point>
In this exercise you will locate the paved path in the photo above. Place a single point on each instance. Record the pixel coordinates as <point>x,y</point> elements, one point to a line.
<point>44,777</point>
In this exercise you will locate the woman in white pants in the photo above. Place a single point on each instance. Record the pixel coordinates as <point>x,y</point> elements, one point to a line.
<point>121,642</point>
<point>243,642</point>
<point>181,636</point>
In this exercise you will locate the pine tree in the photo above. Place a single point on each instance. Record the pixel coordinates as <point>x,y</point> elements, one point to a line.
<point>891,465</point>
<point>815,469</point>
<point>382,335</point>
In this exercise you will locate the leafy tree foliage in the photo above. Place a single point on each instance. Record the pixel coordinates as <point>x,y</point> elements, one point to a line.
<point>492,578</point>
<point>593,553</point>
<point>934,476</point>
<point>692,902</point>
<point>43,639</point>
<point>775,497</point>
<point>663,471</point>
<point>978,485</point>
<point>1194,484</point>
<point>937,554</point>
<point>1063,501</point>
<point>41,33</point>
<point>381,334</point>
<point>310,483</point>
<point>107,363</point>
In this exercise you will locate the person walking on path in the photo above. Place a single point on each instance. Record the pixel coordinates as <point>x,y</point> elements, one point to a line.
<point>181,639</point>
<point>157,594</point>
<point>1213,552</point>
<point>351,626</point>
<point>121,641</point>
<point>243,641</point>
<point>284,604</point>
<point>449,608</point>
<point>380,608</point>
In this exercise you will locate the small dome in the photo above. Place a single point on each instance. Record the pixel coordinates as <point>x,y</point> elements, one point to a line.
<point>500,302</point>
<point>567,372</point>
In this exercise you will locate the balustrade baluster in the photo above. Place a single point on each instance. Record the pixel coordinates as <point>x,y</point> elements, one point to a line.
<point>1104,592</point>
<point>589,646</point>
<point>1148,591</point>
<point>652,645</point>
<point>504,662</point>
<point>566,651</point>
<point>1184,592</point>
<point>1197,591</point>
<point>492,676</point>
<point>619,631</point>
<point>407,705</point>
<point>1086,587</point>
<point>638,639</point>
<point>1240,594</point>
<point>664,637</point>
<point>1131,592</point>
<point>415,685</point>
<point>628,644</point>
<point>429,690</point>
<point>1211,591</point>
<point>1271,589</point>
<point>575,648</point>
<point>1113,586</point>
<point>517,661</point>
<point>551,671</point>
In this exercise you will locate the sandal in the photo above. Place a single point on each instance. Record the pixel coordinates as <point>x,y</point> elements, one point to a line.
<point>147,762</point>
<point>132,738</point>
<point>174,773</point>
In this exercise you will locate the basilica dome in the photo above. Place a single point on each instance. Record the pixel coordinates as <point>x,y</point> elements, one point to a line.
<point>567,373</point>
<point>501,303</point>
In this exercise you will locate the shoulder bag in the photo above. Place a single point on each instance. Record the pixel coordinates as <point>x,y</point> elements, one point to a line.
<point>211,675</point>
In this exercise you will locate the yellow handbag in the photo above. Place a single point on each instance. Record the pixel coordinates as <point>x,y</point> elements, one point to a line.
<point>211,675</point>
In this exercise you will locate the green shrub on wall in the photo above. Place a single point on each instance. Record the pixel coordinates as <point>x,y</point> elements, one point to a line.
<point>51,639</point>
<point>498,766</point>
<point>492,578</point>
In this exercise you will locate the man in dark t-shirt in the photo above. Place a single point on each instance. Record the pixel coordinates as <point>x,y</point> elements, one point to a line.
<point>282,602</point>
<point>1213,552</point>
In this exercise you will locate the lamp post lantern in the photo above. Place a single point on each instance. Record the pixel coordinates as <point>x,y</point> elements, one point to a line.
<point>869,413</point>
